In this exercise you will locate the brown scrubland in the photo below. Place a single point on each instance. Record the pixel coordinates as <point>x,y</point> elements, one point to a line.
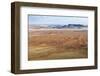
<point>57,44</point>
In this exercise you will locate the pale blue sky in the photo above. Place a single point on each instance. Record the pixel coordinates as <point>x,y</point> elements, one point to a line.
<point>41,19</point>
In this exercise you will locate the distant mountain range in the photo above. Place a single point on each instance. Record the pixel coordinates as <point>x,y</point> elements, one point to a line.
<point>58,26</point>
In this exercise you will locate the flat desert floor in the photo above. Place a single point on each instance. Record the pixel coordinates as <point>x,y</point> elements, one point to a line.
<point>57,44</point>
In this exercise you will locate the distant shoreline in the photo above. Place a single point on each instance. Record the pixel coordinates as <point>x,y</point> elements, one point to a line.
<point>57,29</point>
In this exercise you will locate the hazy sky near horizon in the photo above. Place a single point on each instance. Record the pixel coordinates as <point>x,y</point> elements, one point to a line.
<point>42,19</point>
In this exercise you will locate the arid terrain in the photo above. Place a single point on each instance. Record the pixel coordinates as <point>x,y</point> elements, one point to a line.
<point>57,44</point>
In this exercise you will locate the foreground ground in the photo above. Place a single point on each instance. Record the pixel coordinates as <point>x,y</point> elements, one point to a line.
<point>57,44</point>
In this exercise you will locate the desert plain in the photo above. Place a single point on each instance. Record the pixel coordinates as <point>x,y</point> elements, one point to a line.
<point>48,44</point>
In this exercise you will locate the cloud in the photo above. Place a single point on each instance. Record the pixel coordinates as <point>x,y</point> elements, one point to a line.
<point>41,19</point>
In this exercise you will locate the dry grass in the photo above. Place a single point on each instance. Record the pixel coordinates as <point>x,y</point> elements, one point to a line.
<point>57,44</point>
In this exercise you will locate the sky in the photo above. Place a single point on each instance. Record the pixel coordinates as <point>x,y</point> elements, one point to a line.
<point>42,19</point>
